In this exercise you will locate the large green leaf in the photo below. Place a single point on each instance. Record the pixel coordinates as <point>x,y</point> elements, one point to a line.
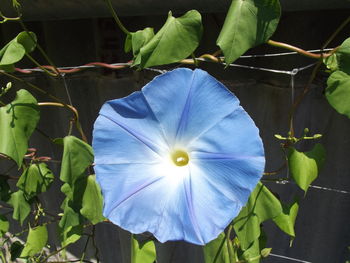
<point>216,251</point>
<point>70,234</point>
<point>21,208</point>
<point>286,220</point>
<point>262,205</point>
<point>305,166</point>
<point>248,23</point>
<point>338,92</point>
<point>36,240</point>
<point>92,203</point>
<point>17,123</point>
<point>35,179</point>
<point>145,253</point>
<point>176,40</point>
<point>14,51</point>
<point>4,225</point>
<point>77,157</point>
<point>340,60</point>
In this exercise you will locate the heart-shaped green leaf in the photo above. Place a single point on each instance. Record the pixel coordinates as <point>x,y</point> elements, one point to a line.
<point>145,253</point>
<point>305,166</point>
<point>248,23</point>
<point>176,40</point>
<point>35,179</point>
<point>12,53</point>
<point>262,205</point>
<point>338,92</point>
<point>17,123</point>
<point>216,251</point>
<point>21,208</point>
<point>36,240</point>
<point>92,203</point>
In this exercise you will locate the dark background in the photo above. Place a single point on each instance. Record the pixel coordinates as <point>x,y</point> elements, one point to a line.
<point>86,35</point>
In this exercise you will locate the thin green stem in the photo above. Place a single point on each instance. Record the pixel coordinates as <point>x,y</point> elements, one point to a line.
<point>116,18</point>
<point>229,244</point>
<point>53,253</point>
<point>41,67</point>
<point>75,112</point>
<point>39,47</point>
<point>5,18</point>
<point>336,32</point>
<point>33,86</point>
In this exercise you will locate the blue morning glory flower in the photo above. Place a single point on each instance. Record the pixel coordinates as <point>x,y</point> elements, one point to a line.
<point>178,159</point>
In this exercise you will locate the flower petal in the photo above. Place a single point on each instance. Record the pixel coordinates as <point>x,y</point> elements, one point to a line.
<point>127,131</point>
<point>187,102</point>
<point>234,137</point>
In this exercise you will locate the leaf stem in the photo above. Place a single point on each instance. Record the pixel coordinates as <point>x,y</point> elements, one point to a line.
<point>298,50</point>
<point>116,18</point>
<point>41,67</point>
<point>75,112</point>
<point>5,19</point>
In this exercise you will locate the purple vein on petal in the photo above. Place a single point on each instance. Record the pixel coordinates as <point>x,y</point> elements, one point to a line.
<point>222,156</point>
<point>189,205</point>
<point>146,141</point>
<point>184,115</point>
<point>134,192</point>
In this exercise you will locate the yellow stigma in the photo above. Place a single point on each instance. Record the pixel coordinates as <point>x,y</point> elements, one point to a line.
<point>180,158</point>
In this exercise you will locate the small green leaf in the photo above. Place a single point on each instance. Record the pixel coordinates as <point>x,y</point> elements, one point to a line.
<point>338,92</point>
<point>266,252</point>
<point>18,121</point>
<point>28,40</point>
<point>248,23</point>
<point>15,250</point>
<point>142,254</point>
<point>176,40</point>
<point>92,203</point>
<point>35,179</point>
<point>13,53</point>
<point>70,216</point>
<point>136,40</point>
<point>70,234</point>
<point>36,240</point>
<point>262,205</point>
<point>216,251</point>
<point>4,225</point>
<point>340,60</point>
<point>21,208</point>
<point>77,157</point>
<point>286,220</point>
<point>305,166</point>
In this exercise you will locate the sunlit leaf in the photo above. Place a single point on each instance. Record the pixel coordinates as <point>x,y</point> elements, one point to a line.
<point>248,23</point>
<point>36,240</point>
<point>136,40</point>
<point>338,92</point>
<point>262,205</point>
<point>70,234</point>
<point>216,251</point>
<point>35,179</point>
<point>176,40</point>
<point>17,123</point>
<point>70,216</point>
<point>305,166</point>
<point>92,203</point>
<point>77,157</point>
<point>4,225</point>
<point>12,53</point>
<point>286,220</point>
<point>21,208</point>
<point>145,253</point>
<point>28,40</point>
